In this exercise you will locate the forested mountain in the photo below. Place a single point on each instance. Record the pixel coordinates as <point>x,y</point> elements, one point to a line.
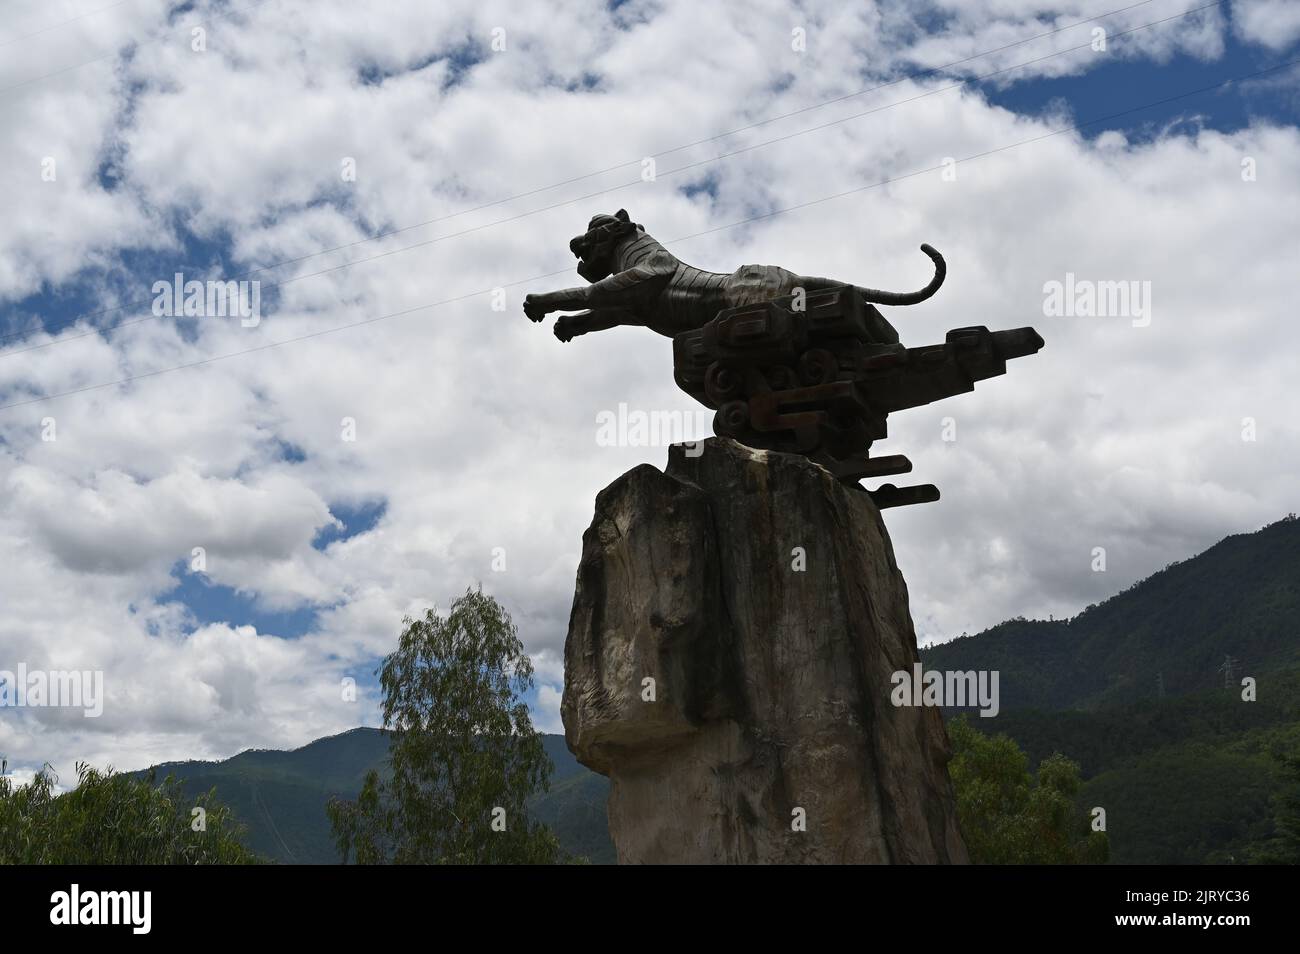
<point>281,796</point>
<point>1238,599</point>
<point>1132,689</point>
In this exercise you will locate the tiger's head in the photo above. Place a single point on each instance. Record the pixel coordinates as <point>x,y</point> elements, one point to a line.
<point>595,247</point>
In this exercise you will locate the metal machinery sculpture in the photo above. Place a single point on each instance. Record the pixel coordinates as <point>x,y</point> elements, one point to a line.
<point>789,362</point>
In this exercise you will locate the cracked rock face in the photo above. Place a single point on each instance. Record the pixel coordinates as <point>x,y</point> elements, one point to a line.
<point>736,625</point>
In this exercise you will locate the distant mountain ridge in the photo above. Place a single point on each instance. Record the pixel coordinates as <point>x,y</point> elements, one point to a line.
<point>280,796</point>
<point>1239,598</point>
<point>1186,777</point>
<point>1135,690</point>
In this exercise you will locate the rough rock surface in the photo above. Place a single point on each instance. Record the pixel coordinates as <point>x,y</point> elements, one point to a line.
<point>771,685</point>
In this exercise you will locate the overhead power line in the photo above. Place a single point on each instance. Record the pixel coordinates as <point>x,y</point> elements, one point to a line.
<point>746,221</point>
<point>140,303</point>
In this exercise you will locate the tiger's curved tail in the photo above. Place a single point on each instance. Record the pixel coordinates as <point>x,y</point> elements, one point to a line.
<point>877,297</point>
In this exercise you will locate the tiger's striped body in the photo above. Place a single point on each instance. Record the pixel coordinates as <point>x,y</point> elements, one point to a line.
<point>636,281</point>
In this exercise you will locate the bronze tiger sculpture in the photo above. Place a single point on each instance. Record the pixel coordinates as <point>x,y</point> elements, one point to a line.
<point>790,363</point>
<point>636,281</point>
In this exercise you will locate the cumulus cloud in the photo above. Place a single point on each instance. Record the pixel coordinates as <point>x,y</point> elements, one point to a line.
<point>1274,24</point>
<point>476,429</point>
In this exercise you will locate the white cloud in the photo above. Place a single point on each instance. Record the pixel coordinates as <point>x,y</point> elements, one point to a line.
<point>547,714</point>
<point>477,429</point>
<point>1271,23</point>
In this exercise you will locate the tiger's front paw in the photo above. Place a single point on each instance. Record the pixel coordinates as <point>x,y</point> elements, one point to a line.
<point>534,308</point>
<point>566,328</point>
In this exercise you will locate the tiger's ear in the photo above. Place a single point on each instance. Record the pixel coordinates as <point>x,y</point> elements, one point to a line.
<point>622,215</point>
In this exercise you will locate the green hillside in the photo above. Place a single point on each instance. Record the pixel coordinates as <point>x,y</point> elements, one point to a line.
<point>1240,598</point>
<point>1185,780</point>
<point>1192,775</point>
<point>1102,739</point>
<point>281,796</point>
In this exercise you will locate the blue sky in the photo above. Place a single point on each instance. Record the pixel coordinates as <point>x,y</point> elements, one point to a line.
<point>472,428</point>
<point>1122,85</point>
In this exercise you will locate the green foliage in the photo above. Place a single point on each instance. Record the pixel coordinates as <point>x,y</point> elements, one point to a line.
<point>1202,779</point>
<point>281,796</point>
<point>464,755</point>
<point>1196,777</point>
<point>1101,739</point>
<point>1188,804</point>
<point>1284,847</point>
<point>1197,774</point>
<point>1009,817</point>
<point>111,819</point>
